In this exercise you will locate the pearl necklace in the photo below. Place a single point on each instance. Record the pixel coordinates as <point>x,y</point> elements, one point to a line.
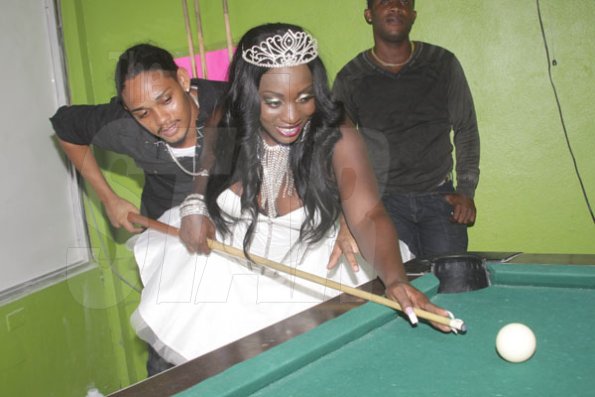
<point>393,65</point>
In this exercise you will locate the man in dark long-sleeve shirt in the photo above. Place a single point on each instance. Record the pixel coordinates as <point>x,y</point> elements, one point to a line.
<point>406,97</point>
<point>111,127</point>
<point>169,167</point>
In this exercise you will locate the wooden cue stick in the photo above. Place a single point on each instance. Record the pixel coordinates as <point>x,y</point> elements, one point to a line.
<point>238,253</point>
<point>194,71</point>
<point>201,41</point>
<point>228,29</point>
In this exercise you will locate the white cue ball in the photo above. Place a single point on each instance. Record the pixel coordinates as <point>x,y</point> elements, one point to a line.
<point>516,342</point>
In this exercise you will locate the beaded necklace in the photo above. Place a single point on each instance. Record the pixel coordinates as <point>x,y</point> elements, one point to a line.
<point>275,170</point>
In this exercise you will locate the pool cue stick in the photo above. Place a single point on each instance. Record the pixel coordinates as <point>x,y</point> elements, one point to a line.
<point>228,29</point>
<point>194,71</point>
<point>238,253</point>
<point>201,41</point>
<point>153,224</point>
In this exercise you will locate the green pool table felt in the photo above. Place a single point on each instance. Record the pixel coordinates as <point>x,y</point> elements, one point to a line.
<point>372,351</point>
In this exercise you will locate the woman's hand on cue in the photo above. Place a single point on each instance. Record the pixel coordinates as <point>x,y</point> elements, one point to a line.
<point>194,232</point>
<point>345,245</point>
<point>409,297</point>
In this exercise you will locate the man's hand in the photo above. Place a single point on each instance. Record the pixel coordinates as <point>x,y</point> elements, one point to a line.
<point>117,210</point>
<point>463,208</point>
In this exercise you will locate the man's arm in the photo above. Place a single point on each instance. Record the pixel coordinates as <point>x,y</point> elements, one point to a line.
<point>108,126</point>
<point>79,126</point>
<point>466,141</point>
<point>116,207</point>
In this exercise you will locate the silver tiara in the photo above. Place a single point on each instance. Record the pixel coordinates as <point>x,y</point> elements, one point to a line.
<point>291,49</point>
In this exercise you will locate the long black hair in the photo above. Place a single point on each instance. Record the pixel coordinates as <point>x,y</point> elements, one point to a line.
<point>237,157</point>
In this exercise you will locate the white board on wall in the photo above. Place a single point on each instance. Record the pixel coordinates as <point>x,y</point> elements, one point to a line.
<point>42,232</point>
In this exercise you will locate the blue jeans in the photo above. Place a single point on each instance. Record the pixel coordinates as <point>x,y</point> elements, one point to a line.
<point>422,222</point>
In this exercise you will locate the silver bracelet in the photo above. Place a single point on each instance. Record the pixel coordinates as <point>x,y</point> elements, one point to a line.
<point>192,196</point>
<point>193,204</point>
<point>194,210</point>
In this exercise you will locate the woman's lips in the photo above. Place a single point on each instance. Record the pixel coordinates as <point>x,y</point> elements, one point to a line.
<point>289,131</point>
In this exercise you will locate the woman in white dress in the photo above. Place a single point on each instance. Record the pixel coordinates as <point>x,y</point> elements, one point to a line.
<point>284,169</point>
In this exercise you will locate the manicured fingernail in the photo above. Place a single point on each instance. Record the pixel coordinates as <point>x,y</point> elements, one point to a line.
<point>412,316</point>
<point>452,316</point>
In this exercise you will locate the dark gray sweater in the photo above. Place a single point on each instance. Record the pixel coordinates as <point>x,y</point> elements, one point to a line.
<point>406,119</point>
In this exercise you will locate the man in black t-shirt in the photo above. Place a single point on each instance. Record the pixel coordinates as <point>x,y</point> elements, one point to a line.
<point>406,97</point>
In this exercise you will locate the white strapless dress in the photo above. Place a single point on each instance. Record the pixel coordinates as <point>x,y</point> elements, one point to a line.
<point>193,304</point>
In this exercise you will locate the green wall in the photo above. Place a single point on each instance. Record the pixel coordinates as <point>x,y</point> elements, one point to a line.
<point>75,334</point>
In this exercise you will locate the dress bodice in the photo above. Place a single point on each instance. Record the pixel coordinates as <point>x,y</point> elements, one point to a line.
<point>274,238</point>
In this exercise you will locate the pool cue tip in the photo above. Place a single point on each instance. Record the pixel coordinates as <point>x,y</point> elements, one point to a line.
<point>459,325</point>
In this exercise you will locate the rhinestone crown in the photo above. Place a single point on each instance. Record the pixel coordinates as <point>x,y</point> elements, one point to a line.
<point>290,49</point>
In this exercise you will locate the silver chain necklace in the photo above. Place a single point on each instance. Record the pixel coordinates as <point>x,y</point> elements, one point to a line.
<point>192,173</point>
<point>199,135</point>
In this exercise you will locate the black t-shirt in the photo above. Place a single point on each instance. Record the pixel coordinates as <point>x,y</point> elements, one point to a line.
<point>109,126</point>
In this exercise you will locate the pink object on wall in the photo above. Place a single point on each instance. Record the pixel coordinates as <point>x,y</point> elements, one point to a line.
<point>217,63</point>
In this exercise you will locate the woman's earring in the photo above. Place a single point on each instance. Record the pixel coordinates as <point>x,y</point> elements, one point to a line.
<point>306,130</point>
